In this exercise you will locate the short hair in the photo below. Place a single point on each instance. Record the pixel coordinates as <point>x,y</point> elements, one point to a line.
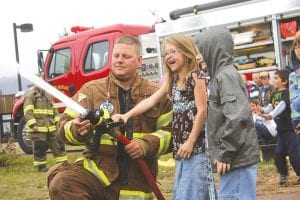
<point>132,41</point>
<point>283,75</point>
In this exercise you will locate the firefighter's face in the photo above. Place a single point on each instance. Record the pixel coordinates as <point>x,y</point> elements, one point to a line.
<point>173,58</point>
<point>125,61</point>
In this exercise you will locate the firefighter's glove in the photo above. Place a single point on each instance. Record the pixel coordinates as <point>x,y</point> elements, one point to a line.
<point>144,145</point>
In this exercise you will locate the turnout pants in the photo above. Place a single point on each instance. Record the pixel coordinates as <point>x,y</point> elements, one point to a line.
<point>71,181</point>
<point>41,143</point>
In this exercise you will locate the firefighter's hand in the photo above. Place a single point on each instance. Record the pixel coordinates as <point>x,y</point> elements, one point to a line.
<point>35,128</point>
<point>120,117</point>
<point>81,127</point>
<point>134,150</point>
<point>222,168</point>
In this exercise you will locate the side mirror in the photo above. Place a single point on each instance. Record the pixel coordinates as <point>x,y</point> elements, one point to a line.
<point>40,57</point>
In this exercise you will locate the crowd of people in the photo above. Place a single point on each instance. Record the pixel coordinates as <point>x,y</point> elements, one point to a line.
<point>216,125</point>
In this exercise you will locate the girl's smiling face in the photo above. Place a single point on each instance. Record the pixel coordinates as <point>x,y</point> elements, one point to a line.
<point>173,58</point>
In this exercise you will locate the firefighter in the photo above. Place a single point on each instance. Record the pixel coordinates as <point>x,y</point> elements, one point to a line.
<point>110,171</point>
<point>41,119</point>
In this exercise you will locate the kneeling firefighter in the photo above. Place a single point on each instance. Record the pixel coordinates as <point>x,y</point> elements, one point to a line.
<point>108,169</point>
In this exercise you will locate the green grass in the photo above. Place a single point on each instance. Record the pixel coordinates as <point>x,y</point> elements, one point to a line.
<point>20,180</point>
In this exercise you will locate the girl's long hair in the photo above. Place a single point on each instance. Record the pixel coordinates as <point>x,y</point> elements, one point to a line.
<point>186,46</point>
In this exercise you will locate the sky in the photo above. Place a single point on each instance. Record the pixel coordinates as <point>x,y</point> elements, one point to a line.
<point>52,18</point>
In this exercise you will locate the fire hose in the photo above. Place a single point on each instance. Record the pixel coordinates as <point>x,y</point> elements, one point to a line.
<point>107,124</point>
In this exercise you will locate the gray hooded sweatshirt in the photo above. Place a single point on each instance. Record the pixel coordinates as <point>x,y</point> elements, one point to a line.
<point>231,132</point>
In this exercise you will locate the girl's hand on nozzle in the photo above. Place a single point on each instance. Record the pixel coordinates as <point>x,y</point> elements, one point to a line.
<point>119,117</point>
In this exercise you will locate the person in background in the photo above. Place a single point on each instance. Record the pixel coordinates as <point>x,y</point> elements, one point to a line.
<point>253,91</point>
<point>107,169</point>
<point>294,83</point>
<point>41,117</point>
<point>287,143</point>
<point>187,89</point>
<point>266,129</point>
<point>232,139</point>
<point>256,80</point>
<point>267,89</point>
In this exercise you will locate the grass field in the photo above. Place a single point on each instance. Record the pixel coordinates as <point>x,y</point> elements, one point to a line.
<point>20,181</point>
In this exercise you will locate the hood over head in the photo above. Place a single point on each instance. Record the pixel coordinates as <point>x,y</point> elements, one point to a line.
<point>216,46</point>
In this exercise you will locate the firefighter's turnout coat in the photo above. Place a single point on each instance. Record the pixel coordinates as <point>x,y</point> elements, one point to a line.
<point>108,163</point>
<point>39,110</point>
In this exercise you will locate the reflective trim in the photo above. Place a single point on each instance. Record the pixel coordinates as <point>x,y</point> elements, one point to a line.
<point>43,112</point>
<point>91,166</point>
<point>56,119</point>
<point>30,122</point>
<point>69,135</point>
<point>38,163</point>
<point>108,140</point>
<point>164,119</point>
<point>27,108</point>
<point>137,135</point>
<point>135,195</point>
<point>71,113</point>
<point>43,129</point>
<point>164,141</point>
<point>60,159</point>
<point>52,128</point>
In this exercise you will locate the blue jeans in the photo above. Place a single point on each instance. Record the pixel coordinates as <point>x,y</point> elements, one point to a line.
<point>263,134</point>
<point>191,178</point>
<point>238,184</point>
<point>287,145</point>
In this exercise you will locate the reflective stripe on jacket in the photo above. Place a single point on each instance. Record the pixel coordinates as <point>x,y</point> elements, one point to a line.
<point>39,110</point>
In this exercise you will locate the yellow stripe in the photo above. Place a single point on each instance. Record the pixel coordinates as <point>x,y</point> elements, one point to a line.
<point>27,108</point>
<point>56,119</point>
<point>135,195</point>
<point>30,122</point>
<point>69,134</point>
<point>71,113</point>
<point>43,112</point>
<point>164,119</point>
<point>164,140</point>
<point>37,163</point>
<point>60,159</point>
<point>91,166</point>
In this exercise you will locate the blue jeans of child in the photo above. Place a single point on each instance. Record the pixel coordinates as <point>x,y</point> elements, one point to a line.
<point>263,134</point>
<point>191,178</point>
<point>287,145</point>
<point>238,184</point>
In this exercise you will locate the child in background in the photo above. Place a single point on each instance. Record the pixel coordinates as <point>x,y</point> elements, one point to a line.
<point>265,129</point>
<point>266,89</point>
<point>187,90</point>
<point>294,82</point>
<point>253,91</point>
<point>256,80</point>
<point>287,143</point>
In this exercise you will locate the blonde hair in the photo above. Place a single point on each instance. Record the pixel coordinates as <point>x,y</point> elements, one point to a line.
<point>186,46</point>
